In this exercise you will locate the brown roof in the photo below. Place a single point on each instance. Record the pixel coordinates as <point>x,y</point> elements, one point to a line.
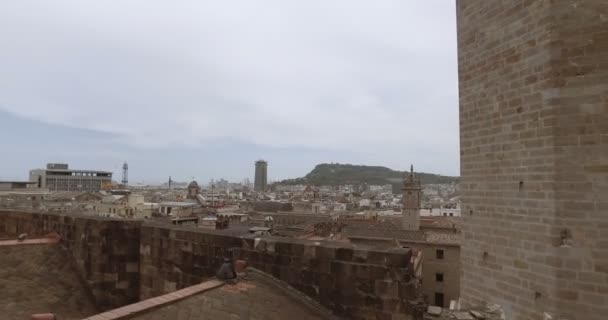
<point>38,278</point>
<point>387,229</point>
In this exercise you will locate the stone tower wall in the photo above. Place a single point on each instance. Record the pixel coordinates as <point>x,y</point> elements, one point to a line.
<point>533,80</point>
<point>411,219</point>
<point>412,197</point>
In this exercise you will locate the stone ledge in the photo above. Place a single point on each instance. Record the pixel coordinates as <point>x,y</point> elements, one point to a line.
<point>5,243</point>
<point>51,238</point>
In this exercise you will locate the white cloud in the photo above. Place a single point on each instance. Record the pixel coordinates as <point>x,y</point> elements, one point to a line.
<point>359,75</point>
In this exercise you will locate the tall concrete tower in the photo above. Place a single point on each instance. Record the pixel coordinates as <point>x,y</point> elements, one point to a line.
<point>412,194</point>
<point>533,79</point>
<point>125,174</point>
<point>261,176</point>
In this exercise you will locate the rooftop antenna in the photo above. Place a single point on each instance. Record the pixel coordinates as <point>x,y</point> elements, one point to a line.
<point>125,174</point>
<point>212,193</point>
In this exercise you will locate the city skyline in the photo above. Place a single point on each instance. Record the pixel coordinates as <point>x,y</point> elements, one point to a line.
<point>345,84</point>
<point>144,167</point>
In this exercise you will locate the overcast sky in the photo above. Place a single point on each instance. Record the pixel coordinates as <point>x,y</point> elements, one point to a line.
<point>204,88</point>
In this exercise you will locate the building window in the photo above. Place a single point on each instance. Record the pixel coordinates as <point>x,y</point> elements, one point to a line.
<point>439,299</point>
<point>439,277</point>
<point>439,254</point>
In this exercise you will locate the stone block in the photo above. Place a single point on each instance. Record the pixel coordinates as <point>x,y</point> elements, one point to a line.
<point>386,289</point>
<point>360,256</point>
<point>378,272</point>
<point>344,254</point>
<point>325,253</point>
<point>321,266</point>
<point>567,294</point>
<point>341,268</point>
<point>408,290</point>
<point>362,271</point>
<point>283,248</point>
<point>297,249</point>
<point>376,257</point>
<point>309,251</point>
<point>283,260</point>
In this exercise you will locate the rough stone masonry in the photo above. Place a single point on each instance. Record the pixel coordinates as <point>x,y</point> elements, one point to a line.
<point>533,78</point>
<point>124,261</point>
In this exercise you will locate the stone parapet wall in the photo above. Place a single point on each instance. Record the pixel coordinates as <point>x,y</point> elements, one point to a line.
<point>105,251</point>
<point>124,261</point>
<point>353,283</point>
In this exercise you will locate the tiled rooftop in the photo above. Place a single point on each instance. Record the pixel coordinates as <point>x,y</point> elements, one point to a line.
<point>388,229</point>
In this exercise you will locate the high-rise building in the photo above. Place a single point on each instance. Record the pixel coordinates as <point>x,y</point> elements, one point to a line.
<point>58,177</point>
<point>412,194</point>
<point>534,156</point>
<point>261,176</point>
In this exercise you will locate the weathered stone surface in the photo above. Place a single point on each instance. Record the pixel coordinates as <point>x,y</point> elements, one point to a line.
<point>326,273</point>
<point>126,260</point>
<point>105,251</point>
<point>533,79</point>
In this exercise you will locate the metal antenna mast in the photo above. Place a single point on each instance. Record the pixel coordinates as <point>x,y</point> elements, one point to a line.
<point>125,174</point>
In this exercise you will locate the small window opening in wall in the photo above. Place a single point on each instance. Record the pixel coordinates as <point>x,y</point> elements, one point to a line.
<point>485,255</point>
<point>566,238</point>
<point>439,277</point>
<point>439,254</point>
<point>521,185</point>
<point>470,212</point>
<point>537,295</point>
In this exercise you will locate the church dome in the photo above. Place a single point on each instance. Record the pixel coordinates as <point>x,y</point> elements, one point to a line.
<point>193,184</point>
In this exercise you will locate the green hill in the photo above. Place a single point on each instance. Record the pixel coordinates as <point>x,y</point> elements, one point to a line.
<point>341,174</point>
